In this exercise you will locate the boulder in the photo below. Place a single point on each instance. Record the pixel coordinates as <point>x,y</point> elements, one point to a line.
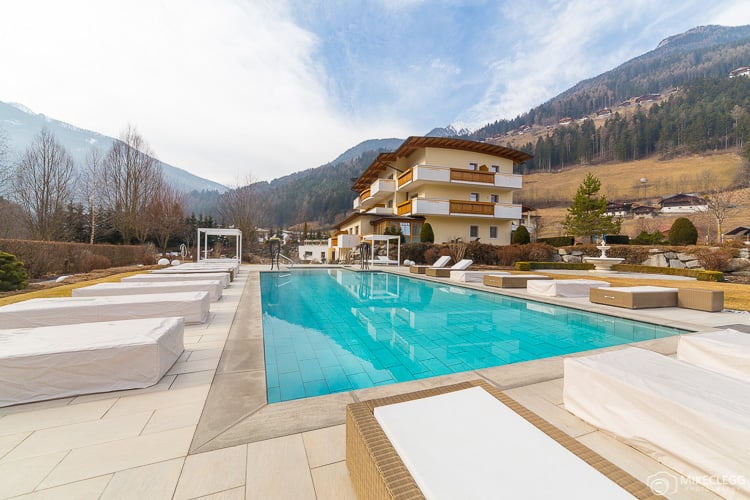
<point>738,265</point>
<point>693,264</point>
<point>676,263</point>
<point>657,260</point>
<point>571,258</point>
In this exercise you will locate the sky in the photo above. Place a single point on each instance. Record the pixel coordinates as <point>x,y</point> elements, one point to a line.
<point>235,90</point>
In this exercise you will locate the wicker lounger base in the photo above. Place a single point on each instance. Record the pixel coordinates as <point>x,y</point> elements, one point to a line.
<point>637,298</point>
<point>438,272</point>
<point>511,281</point>
<point>377,471</point>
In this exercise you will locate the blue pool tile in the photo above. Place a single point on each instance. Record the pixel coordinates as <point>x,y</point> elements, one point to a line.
<point>287,363</point>
<point>274,395</point>
<point>360,381</point>
<point>316,388</point>
<point>310,370</point>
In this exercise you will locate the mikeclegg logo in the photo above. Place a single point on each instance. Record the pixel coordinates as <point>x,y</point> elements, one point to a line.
<point>663,483</point>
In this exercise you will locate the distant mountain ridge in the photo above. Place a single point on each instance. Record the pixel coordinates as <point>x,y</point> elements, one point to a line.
<point>20,125</point>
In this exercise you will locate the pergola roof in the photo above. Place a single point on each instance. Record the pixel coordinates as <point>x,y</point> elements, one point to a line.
<point>413,143</point>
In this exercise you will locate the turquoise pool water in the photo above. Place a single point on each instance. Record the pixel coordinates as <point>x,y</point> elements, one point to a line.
<point>334,330</point>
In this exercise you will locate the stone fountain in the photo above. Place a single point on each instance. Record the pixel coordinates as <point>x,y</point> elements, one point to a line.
<point>603,263</point>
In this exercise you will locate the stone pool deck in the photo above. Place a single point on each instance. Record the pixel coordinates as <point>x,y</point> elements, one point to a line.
<point>206,431</point>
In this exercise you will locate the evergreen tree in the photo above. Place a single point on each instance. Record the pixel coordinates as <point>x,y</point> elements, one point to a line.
<point>427,235</point>
<point>521,236</point>
<point>585,216</point>
<point>683,232</point>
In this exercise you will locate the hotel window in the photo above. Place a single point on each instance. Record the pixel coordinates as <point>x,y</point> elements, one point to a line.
<point>493,198</point>
<point>474,231</point>
<point>472,166</point>
<point>473,196</point>
<point>390,203</point>
<point>496,168</point>
<point>493,232</point>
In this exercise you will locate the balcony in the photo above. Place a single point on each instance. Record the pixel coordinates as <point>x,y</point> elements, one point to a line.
<point>461,208</point>
<point>379,190</point>
<point>423,174</point>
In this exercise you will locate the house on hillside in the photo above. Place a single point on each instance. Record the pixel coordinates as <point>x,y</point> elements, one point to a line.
<point>683,204</point>
<point>643,212</point>
<point>741,71</point>
<point>739,233</point>
<point>603,113</point>
<point>618,209</point>
<point>565,121</point>
<point>647,98</point>
<point>464,189</point>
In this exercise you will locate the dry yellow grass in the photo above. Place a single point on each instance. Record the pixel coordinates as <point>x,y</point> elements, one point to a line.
<point>63,290</point>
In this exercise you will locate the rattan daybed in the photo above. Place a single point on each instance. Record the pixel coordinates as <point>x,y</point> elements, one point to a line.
<point>512,280</point>
<point>634,297</point>
<point>377,471</point>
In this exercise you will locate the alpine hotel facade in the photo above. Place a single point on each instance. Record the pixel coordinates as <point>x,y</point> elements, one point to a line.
<point>464,189</point>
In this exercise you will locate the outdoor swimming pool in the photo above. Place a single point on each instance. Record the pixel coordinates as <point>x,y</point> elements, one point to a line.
<point>334,330</point>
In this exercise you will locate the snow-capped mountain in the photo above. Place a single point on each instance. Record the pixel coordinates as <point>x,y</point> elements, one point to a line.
<point>454,130</point>
<point>19,125</point>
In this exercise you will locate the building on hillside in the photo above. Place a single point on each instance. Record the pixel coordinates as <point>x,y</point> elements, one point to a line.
<point>464,189</point>
<point>529,219</point>
<point>647,98</point>
<point>313,251</point>
<point>643,212</point>
<point>603,113</point>
<point>741,71</point>
<point>683,204</point>
<point>618,209</point>
<point>565,121</point>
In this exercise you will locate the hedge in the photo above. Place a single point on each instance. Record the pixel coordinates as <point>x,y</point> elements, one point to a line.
<point>698,274</point>
<point>617,239</point>
<point>558,241</point>
<point>50,258</point>
<point>528,266</point>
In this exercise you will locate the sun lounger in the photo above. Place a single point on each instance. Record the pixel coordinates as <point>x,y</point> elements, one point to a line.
<point>445,272</point>
<point>54,362</point>
<point>441,262</point>
<point>700,299</point>
<point>563,288</point>
<point>383,260</point>
<point>511,280</point>
<point>724,351</point>
<point>634,297</point>
<point>182,269</point>
<point>693,420</point>
<point>473,276</point>
<point>151,278</point>
<point>192,306</point>
<point>471,441</point>
<point>213,287</point>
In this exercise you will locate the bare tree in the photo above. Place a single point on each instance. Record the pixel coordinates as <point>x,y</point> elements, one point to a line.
<point>167,214</point>
<point>92,182</point>
<point>43,185</point>
<point>238,208</point>
<point>132,178</point>
<point>6,172</point>
<point>720,202</point>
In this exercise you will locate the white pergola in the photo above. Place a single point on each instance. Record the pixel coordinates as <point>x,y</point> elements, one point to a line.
<point>387,238</point>
<point>210,231</point>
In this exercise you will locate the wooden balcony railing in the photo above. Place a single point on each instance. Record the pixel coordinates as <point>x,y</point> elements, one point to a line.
<point>472,176</point>
<point>405,177</point>
<point>403,208</point>
<point>334,242</point>
<point>364,194</point>
<point>472,207</point>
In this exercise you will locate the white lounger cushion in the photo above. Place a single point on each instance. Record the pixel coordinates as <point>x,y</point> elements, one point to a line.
<point>213,287</point>
<point>693,420</point>
<point>442,261</point>
<point>563,288</point>
<point>462,265</point>
<point>724,351</point>
<point>467,444</point>
<point>473,276</point>
<point>150,277</point>
<point>193,306</point>
<point>193,270</point>
<point>53,362</point>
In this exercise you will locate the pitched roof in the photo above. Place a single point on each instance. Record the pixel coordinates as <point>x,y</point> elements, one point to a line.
<point>413,143</point>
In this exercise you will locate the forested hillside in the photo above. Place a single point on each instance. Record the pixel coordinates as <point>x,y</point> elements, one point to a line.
<point>707,115</point>
<point>703,52</point>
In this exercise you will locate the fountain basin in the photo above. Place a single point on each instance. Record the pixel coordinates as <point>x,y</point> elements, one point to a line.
<point>603,263</point>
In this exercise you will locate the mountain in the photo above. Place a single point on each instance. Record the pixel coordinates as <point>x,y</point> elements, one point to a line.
<point>449,131</point>
<point>702,52</point>
<point>365,146</point>
<point>19,124</point>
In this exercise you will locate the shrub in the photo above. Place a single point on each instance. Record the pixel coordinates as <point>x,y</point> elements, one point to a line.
<point>540,252</point>
<point>714,259</point>
<point>683,232</point>
<point>94,261</point>
<point>646,238</point>
<point>528,266</point>
<point>426,235</point>
<point>507,255</point>
<point>521,236</point>
<point>558,241</point>
<point>12,273</point>
<point>617,239</point>
<point>481,253</point>
<point>418,252</point>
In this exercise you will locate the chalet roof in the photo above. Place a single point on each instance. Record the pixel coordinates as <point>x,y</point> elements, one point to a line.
<point>413,143</point>
<point>643,209</point>
<point>738,230</point>
<point>682,199</point>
